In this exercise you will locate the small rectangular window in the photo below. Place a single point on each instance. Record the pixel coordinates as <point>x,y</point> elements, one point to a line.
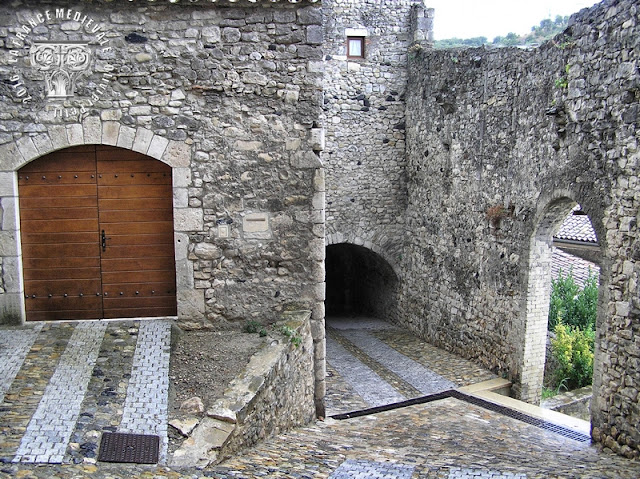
<point>355,47</point>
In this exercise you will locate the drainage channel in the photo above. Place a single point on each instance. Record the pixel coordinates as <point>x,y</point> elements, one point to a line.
<point>452,393</point>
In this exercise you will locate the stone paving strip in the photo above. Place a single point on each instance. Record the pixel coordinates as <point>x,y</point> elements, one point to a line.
<point>104,400</point>
<point>23,396</point>
<point>456,369</point>
<point>371,387</point>
<point>419,376</point>
<point>14,346</point>
<point>399,384</point>
<point>147,402</point>
<point>462,473</point>
<point>340,396</point>
<point>352,469</point>
<point>47,436</point>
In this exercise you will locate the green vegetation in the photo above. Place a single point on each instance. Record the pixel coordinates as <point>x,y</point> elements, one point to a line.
<point>291,334</point>
<point>572,318</point>
<point>573,350</point>
<point>572,305</point>
<point>545,31</point>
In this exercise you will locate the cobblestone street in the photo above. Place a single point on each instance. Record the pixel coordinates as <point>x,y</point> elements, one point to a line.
<point>370,364</point>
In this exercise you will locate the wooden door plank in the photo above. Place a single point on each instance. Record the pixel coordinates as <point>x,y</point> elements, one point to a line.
<point>59,231</point>
<point>140,313</point>
<point>136,212</point>
<point>118,179</point>
<point>139,264</point>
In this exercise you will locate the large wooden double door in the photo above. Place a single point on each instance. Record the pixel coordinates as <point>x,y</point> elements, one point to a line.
<point>97,235</point>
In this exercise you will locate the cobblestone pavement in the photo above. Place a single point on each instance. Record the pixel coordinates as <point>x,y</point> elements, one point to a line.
<point>444,439</point>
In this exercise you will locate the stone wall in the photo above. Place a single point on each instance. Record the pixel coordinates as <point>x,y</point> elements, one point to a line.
<point>274,393</point>
<point>500,145</point>
<point>229,95</point>
<point>364,104</point>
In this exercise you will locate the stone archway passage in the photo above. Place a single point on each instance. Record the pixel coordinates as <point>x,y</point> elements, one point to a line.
<point>97,235</point>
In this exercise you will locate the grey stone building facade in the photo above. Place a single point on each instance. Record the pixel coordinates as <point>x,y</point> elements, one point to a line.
<point>229,96</point>
<point>446,172</point>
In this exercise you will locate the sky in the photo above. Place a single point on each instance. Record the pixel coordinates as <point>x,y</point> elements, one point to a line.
<point>492,18</point>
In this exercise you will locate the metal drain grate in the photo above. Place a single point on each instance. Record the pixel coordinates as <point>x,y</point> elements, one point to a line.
<point>135,448</point>
<point>534,421</point>
<point>561,430</point>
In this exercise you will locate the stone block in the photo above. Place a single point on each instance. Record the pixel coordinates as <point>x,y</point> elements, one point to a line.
<point>75,134</point>
<point>8,187</point>
<point>43,143</point>
<point>142,140</point>
<point>58,135</point>
<point>181,177</point>
<point>157,147</point>
<point>92,130</point>
<point>190,305</point>
<point>12,275</point>
<point>12,310</point>
<point>178,154</point>
<point>188,219</point>
<point>10,157</point>
<point>305,159</point>
<point>110,131</point>
<point>126,137</point>
<point>9,203</point>
<point>28,150</point>
<point>315,34</point>
<point>181,246</point>
<point>9,244</point>
<point>255,223</point>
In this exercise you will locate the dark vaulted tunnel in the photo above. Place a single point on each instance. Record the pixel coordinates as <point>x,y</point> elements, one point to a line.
<point>359,282</point>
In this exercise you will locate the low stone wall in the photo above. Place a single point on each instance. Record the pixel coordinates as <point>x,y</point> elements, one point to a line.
<point>273,394</point>
<point>572,403</point>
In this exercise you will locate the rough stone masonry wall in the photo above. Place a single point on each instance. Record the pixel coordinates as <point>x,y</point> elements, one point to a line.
<point>501,144</point>
<point>364,118</point>
<point>229,95</point>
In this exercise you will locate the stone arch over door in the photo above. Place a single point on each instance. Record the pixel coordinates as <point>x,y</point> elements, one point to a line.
<point>14,155</point>
<point>532,343</point>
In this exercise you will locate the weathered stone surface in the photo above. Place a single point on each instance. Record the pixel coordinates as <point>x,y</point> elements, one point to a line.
<point>193,405</point>
<point>184,426</point>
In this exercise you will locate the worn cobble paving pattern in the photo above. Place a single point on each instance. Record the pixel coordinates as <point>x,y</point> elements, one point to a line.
<point>446,439</point>
<point>23,396</point>
<point>147,401</point>
<point>51,425</point>
<point>340,396</point>
<point>420,377</point>
<point>104,400</point>
<point>400,385</point>
<point>369,385</point>
<point>458,370</point>
<point>14,346</point>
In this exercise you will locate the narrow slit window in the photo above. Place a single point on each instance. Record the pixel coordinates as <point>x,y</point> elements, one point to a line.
<point>355,47</point>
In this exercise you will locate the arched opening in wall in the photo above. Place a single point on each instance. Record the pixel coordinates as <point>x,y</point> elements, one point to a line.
<point>561,312</point>
<point>97,235</point>
<point>359,283</point>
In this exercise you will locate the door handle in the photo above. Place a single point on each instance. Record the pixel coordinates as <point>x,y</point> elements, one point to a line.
<point>104,241</point>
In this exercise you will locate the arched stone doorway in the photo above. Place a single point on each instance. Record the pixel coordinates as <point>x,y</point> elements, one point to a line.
<point>532,361</point>
<point>97,235</point>
<point>359,282</point>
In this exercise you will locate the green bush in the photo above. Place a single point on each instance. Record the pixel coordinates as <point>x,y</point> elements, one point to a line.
<point>572,348</point>
<point>571,305</point>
